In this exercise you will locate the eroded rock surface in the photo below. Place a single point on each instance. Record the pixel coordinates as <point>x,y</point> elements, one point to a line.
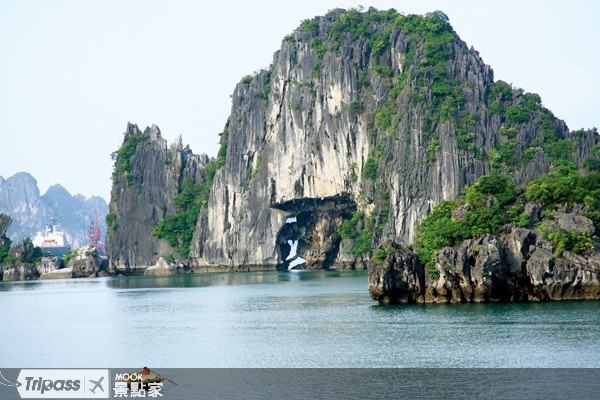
<point>143,191</point>
<point>514,265</point>
<point>363,108</point>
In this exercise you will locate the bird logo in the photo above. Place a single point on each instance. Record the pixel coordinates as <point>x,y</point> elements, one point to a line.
<point>6,382</point>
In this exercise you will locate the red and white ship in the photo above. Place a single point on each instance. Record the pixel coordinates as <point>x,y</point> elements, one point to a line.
<point>53,241</point>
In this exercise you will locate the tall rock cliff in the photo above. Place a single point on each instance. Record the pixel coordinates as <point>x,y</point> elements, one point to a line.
<point>361,125</point>
<point>148,174</point>
<point>377,116</point>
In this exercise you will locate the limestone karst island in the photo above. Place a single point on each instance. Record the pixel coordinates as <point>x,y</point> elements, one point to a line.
<point>374,140</point>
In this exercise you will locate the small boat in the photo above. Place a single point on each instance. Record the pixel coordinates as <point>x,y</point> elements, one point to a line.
<point>147,379</point>
<point>152,377</point>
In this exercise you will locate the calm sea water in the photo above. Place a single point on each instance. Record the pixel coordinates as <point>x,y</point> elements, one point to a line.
<point>278,319</point>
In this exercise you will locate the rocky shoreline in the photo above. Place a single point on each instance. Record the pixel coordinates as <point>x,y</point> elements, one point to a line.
<point>84,264</point>
<point>513,265</point>
<point>22,262</point>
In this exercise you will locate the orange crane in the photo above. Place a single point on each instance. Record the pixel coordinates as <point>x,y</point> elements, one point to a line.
<point>94,232</point>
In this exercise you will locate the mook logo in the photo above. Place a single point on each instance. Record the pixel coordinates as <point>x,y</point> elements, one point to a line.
<point>63,384</point>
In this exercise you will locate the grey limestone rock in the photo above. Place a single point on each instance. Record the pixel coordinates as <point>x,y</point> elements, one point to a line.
<point>143,195</point>
<point>49,264</point>
<point>161,268</point>
<point>309,138</point>
<point>85,264</point>
<point>20,262</point>
<point>570,221</point>
<point>325,133</point>
<point>84,267</point>
<point>475,271</point>
<point>514,265</point>
<point>63,273</point>
<point>568,277</point>
<point>398,279</point>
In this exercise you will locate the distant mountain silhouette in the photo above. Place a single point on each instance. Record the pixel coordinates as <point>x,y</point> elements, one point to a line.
<point>20,197</point>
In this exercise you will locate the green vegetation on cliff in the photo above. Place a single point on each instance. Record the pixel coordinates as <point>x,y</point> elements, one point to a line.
<point>425,79</point>
<point>111,221</point>
<point>591,163</point>
<point>37,256</point>
<point>359,230</point>
<point>493,201</point>
<point>178,229</point>
<point>429,40</point>
<point>483,209</point>
<point>578,241</point>
<point>69,255</point>
<point>4,249</point>
<point>418,117</point>
<point>122,157</point>
<point>517,109</point>
<point>31,256</point>
<point>565,186</point>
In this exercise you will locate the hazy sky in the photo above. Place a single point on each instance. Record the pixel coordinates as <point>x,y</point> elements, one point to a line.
<point>73,73</point>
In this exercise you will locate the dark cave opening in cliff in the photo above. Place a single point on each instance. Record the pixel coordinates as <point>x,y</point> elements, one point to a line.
<point>308,238</point>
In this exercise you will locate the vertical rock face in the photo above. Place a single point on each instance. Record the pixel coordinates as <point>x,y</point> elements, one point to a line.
<point>362,124</point>
<point>148,175</point>
<point>391,113</point>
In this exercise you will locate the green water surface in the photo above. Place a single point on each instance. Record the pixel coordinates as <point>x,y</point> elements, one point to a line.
<point>278,319</point>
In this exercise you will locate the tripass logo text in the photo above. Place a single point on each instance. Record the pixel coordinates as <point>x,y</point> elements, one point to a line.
<point>63,383</point>
<point>44,385</point>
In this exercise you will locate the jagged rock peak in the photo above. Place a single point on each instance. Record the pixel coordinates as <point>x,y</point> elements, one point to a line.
<point>177,144</point>
<point>131,130</point>
<point>388,113</point>
<point>59,191</point>
<point>361,125</point>
<point>153,131</point>
<point>147,176</point>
